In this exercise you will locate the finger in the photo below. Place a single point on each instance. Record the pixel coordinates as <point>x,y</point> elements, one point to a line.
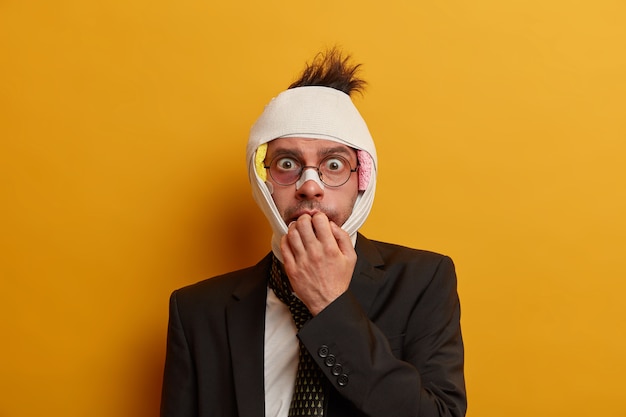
<point>294,238</point>
<point>343,238</point>
<point>304,226</point>
<point>285,248</point>
<point>323,230</point>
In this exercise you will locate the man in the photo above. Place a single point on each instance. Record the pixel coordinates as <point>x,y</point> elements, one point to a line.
<point>329,323</point>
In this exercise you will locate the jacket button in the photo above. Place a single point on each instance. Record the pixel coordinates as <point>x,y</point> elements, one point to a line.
<point>342,380</point>
<point>323,351</point>
<point>337,369</point>
<point>330,360</point>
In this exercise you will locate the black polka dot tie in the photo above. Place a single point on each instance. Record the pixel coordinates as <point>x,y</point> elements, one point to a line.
<point>308,396</point>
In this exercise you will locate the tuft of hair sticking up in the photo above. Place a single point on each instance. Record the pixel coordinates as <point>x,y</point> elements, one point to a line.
<point>332,69</point>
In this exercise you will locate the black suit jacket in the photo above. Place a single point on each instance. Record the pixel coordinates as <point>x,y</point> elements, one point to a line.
<point>395,333</point>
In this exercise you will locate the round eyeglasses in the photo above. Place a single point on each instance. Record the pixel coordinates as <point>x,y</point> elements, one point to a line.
<point>334,170</point>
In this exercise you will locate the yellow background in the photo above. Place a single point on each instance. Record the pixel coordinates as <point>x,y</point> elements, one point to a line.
<point>501,134</point>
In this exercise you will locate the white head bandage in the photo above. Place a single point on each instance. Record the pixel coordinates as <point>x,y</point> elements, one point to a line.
<point>316,113</point>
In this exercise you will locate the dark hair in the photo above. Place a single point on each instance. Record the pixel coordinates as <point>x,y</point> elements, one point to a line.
<point>332,69</point>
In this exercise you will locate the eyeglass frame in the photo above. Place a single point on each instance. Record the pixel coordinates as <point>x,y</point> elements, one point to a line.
<point>317,168</point>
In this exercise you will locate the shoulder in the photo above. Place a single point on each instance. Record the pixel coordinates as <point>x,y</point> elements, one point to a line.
<point>219,289</point>
<point>385,254</point>
<point>409,277</point>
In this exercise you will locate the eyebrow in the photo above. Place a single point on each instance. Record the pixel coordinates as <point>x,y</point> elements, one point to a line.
<point>336,150</point>
<point>341,150</point>
<point>285,152</point>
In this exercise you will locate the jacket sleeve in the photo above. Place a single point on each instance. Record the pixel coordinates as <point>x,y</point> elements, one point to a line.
<point>424,378</point>
<point>179,386</point>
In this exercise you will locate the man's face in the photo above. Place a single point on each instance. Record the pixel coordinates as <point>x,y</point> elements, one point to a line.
<point>309,198</point>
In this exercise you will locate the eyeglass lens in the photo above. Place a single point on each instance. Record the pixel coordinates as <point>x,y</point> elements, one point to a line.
<point>333,170</point>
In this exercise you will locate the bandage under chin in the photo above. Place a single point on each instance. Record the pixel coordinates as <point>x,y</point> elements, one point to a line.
<point>309,174</point>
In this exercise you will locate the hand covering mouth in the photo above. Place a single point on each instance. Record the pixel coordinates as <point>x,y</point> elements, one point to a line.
<point>311,208</point>
<point>299,214</point>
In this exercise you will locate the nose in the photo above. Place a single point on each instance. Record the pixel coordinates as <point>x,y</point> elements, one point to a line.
<point>309,186</point>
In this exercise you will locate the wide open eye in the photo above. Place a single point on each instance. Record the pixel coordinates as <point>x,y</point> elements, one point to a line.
<point>285,170</point>
<point>334,165</point>
<point>287,164</point>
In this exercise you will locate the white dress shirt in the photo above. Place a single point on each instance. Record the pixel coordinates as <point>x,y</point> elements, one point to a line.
<point>280,356</point>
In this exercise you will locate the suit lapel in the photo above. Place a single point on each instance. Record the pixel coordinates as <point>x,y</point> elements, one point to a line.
<point>245,318</point>
<point>367,278</point>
